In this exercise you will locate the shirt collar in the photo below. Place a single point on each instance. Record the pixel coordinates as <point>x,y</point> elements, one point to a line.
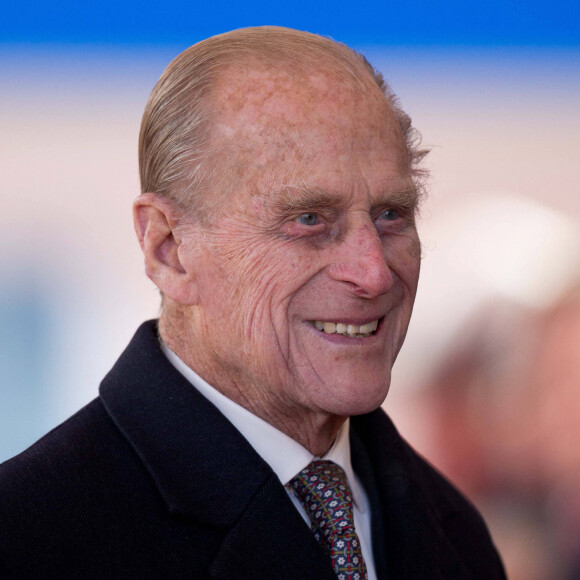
<point>283,454</point>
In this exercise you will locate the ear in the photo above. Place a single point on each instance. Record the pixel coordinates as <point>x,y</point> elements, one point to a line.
<point>155,226</point>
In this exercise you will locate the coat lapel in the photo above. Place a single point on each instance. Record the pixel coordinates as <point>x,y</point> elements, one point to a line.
<point>206,470</point>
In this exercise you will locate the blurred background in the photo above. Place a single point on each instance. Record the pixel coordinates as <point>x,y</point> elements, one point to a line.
<point>488,384</point>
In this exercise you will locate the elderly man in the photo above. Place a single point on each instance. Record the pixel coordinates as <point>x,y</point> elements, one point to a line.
<point>241,435</point>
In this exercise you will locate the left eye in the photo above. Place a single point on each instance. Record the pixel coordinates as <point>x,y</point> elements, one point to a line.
<point>308,219</point>
<point>389,215</point>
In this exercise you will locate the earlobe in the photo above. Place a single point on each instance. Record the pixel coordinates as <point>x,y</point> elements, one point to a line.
<point>155,228</point>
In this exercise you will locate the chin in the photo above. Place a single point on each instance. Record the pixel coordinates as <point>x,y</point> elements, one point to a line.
<point>358,408</point>
<point>348,401</point>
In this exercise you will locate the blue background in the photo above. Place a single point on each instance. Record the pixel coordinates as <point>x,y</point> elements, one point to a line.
<point>415,22</point>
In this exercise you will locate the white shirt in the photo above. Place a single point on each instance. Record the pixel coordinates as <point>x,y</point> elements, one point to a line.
<point>286,456</point>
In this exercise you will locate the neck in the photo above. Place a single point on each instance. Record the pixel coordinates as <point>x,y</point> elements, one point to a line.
<point>315,431</point>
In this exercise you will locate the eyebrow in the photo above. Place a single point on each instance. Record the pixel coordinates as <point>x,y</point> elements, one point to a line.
<point>407,199</point>
<point>302,198</point>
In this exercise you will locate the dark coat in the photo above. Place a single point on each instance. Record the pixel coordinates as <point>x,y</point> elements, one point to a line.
<point>150,481</point>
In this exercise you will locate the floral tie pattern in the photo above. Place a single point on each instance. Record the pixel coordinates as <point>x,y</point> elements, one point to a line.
<point>326,496</point>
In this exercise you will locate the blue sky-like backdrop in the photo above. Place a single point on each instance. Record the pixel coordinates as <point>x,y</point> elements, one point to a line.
<point>414,22</point>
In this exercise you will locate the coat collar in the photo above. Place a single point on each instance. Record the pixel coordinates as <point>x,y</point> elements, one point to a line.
<point>192,453</point>
<point>415,505</point>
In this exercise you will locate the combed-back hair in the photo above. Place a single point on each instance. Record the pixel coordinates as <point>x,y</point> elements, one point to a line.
<point>174,154</point>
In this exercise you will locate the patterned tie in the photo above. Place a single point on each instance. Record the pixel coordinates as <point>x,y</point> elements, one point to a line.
<point>322,488</point>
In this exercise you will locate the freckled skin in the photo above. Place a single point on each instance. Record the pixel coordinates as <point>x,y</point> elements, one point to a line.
<point>262,275</point>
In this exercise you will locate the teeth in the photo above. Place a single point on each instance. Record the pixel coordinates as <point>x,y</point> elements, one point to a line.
<point>329,327</point>
<point>369,327</point>
<point>363,330</point>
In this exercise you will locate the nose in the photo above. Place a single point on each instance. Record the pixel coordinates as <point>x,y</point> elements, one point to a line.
<point>362,264</point>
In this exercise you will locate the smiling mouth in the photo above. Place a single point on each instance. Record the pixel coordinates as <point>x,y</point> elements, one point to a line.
<point>351,330</point>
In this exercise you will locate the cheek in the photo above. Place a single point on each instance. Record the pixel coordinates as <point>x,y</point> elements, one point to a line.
<point>256,282</point>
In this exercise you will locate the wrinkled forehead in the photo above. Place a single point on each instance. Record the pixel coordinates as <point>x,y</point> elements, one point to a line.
<point>278,101</point>
<point>265,113</point>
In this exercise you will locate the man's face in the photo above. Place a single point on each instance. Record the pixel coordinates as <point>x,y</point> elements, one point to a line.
<point>308,273</point>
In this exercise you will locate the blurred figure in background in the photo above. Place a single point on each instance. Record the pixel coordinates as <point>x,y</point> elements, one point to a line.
<point>504,410</point>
